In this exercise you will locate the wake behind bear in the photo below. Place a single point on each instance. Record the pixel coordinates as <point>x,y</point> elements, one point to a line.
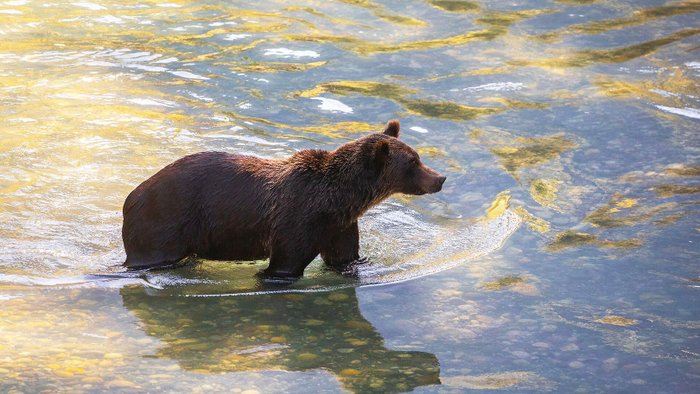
<point>222,206</point>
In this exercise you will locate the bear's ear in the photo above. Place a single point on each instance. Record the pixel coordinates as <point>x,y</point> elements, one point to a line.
<point>392,128</point>
<point>381,155</point>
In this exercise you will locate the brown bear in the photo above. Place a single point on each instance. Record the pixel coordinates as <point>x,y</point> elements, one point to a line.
<point>222,206</point>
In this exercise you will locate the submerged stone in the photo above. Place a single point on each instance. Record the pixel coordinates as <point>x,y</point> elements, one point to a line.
<point>307,357</point>
<point>503,283</point>
<point>121,384</point>
<point>350,372</point>
<point>496,381</point>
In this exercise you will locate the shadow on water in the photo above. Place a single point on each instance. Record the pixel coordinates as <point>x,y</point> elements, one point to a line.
<point>290,332</point>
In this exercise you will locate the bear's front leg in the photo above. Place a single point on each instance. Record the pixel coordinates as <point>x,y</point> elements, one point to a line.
<point>288,261</point>
<point>343,249</point>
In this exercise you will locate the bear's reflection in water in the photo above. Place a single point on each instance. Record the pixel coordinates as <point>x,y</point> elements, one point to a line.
<point>292,332</point>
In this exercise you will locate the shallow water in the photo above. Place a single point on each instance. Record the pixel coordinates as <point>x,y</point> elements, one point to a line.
<point>560,256</point>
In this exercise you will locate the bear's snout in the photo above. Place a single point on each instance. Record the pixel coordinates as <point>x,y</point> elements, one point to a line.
<point>440,182</point>
<point>437,184</point>
<point>430,181</point>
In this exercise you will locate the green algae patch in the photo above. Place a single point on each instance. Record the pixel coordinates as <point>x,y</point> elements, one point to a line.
<point>502,283</point>
<point>381,13</point>
<point>500,21</point>
<point>416,106</point>
<point>400,19</point>
<point>539,150</point>
<point>365,88</point>
<point>606,56</point>
<point>368,48</point>
<point>497,25</point>
<point>619,212</point>
<point>364,47</point>
<point>639,17</point>
<point>669,190</point>
<point>692,170</point>
<point>515,104</point>
<point>570,239</point>
<point>446,109</point>
<point>577,2</point>
<point>573,239</point>
<point>273,67</point>
<point>315,12</point>
<point>670,219</point>
<point>456,5</point>
<point>544,191</point>
<point>616,321</point>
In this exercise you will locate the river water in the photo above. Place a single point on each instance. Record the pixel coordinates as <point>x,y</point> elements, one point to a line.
<point>561,255</point>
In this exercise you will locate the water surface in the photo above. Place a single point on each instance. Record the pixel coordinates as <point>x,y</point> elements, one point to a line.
<point>561,254</point>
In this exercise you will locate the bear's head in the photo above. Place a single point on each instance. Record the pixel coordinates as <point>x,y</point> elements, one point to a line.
<point>398,166</point>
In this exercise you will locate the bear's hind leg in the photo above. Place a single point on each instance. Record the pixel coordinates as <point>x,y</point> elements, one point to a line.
<point>138,260</point>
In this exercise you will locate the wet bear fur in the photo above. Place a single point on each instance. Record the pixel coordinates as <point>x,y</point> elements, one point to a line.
<point>222,206</point>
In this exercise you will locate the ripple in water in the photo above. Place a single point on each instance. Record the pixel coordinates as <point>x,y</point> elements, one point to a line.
<point>401,245</point>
